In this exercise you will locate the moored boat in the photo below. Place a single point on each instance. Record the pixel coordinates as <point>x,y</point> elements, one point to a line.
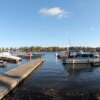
<point>62,54</point>
<point>6,56</point>
<point>85,58</point>
<point>69,53</point>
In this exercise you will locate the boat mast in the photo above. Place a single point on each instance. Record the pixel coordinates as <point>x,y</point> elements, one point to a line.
<point>68,40</point>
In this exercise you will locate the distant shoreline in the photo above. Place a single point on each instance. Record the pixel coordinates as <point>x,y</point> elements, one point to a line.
<point>48,49</point>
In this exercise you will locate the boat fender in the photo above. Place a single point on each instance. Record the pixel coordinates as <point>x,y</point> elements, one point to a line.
<point>17,60</point>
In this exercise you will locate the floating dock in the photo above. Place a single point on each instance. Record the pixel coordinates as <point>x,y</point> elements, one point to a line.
<point>12,78</point>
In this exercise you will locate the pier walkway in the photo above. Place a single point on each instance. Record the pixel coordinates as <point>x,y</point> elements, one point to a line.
<point>10,79</point>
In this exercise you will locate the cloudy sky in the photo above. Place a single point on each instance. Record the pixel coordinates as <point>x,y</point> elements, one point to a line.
<point>49,23</point>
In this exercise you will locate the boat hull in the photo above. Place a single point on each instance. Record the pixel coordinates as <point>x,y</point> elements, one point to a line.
<point>80,61</point>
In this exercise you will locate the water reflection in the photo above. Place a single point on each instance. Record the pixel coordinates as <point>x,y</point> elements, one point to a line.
<point>76,72</point>
<point>56,60</point>
<point>10,66</point>
<point>77,68</point>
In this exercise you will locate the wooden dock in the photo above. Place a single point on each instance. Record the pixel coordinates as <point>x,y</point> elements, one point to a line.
<point>10,79</point>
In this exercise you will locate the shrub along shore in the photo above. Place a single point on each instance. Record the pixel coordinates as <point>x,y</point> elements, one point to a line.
<point>48,49</point>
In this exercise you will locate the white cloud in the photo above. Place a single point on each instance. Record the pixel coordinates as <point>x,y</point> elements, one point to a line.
<point>55,11</point>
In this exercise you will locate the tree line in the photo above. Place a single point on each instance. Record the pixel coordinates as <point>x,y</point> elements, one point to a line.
<point>48,49</point>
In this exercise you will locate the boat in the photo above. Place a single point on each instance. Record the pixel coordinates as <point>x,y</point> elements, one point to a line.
<point>6,56</point>
<point>3,63</point>
<point>85,58</point>
<point>69,53</point>
<point>28,55</point>
<point>21,54</point>
<point>97,54</point>
<point>62,54</point>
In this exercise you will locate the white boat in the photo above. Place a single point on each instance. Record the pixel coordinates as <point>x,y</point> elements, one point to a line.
<point>69,53</point>
<point>85,58</point>
<point>8,57</point>
<point>16,53</point>
<point>62,54</point>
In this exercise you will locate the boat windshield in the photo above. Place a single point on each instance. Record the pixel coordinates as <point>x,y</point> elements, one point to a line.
<point>87,55</point>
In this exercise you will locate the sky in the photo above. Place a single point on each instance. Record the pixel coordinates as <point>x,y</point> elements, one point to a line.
<point>49,23</point>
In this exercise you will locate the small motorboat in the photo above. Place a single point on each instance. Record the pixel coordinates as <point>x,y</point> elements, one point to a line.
<point>27,55</point>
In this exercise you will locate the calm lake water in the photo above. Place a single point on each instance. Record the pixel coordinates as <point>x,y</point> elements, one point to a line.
<point>54,81</point>
<point>11,66</point>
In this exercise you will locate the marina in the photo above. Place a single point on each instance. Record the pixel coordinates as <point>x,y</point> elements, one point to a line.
<point>59,82</point>
<point>79,57</point>
<point>10,79</point>
<point>49,50</point>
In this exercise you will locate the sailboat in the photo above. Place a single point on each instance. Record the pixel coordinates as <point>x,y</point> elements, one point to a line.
<point>80,57</point>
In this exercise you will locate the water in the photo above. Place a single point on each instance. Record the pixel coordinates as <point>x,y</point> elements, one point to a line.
<point>54,81</point>
<point>11,66</point>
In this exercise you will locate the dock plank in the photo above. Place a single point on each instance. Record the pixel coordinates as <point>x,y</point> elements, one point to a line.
<point>10,79</point>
